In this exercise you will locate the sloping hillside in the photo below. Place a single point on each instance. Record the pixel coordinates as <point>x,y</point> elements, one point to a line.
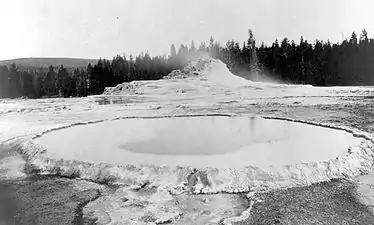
<point>27,63</point>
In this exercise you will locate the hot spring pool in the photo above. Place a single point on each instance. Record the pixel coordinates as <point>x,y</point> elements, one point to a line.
<point>203,141</point>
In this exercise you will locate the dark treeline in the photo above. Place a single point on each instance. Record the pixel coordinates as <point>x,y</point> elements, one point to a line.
<point>321,63</point>
<point>66,82</point>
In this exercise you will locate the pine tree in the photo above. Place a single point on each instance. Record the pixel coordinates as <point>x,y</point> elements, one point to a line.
<point>173,51</point>
<point>202,47</point>
<point>353,39</point>
<point>37,82</point>
<point>364,40</point>
<point>62,82</point>
<point>4,82</point>
<point>14,81</point>
<point>211,44</point>
<point>192,47</point>
<point>49,82</point>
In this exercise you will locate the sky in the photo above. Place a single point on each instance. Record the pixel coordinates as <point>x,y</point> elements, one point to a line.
<point>98,28</point>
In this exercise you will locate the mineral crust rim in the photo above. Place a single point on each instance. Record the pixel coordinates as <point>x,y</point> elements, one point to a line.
<point>206,180</point>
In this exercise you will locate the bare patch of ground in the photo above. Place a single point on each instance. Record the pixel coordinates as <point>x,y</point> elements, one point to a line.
<point>36,199</point>
<point>45,201</point>
<point>330,203</point>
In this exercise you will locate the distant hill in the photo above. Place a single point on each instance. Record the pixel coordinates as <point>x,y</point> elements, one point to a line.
<point>29,63</point>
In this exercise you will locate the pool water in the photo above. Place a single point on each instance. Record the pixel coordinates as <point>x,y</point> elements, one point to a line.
<point>202,141</point>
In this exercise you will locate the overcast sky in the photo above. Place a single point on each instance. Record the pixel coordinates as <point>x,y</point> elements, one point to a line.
<point>98,28</point>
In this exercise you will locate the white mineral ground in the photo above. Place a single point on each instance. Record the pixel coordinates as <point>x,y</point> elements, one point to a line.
<point>92,138</point>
